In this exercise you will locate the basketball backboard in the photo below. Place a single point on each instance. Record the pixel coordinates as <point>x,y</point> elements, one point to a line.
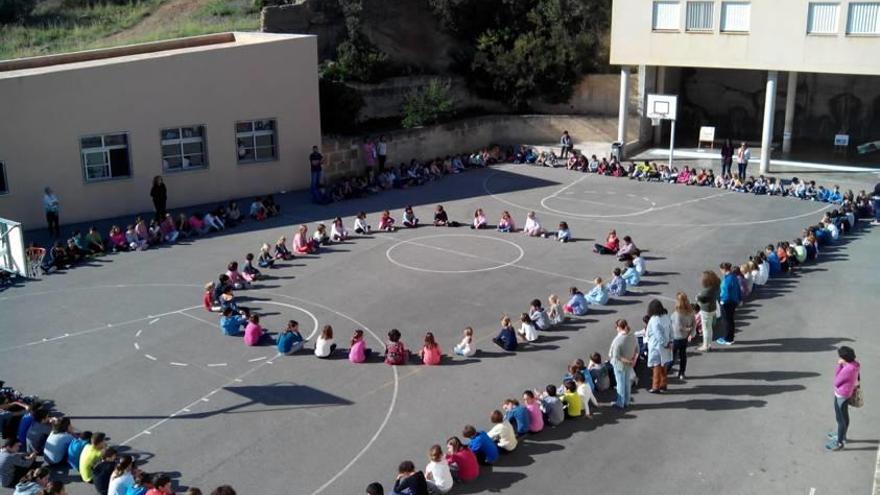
<point>662,107</point>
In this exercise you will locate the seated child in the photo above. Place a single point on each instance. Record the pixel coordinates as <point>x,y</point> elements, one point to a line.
<point>301,242</point>
<point>134,242</point>
<point>555,314</point>
<point>208,300</point>
<point>168,229</point>
<point>517,415</point>
<point>266,260</point>
<point>585,393</point>
<point>532,227</point>
<point>254,334</point>
<point>236,278</point>
<point>395,352</point>
<point>506,338</point>
<point>227,300</point>
<point>631,275</point>
<point>249,272</point>
<point>409,218</point>
<point>183,226</point>
<point>290,341</point>
<point>506,223</point>
<point>479,221</point>
<point>232,323</point>
<point>320,236</point>
<point>358,352</point>
<point>481,445</point>
<point>360,224</point>
<point>527,329</point>
<point>611,246</point>
<point>233,214</point>
<point>563,234</point>
<point>431,352</point>
<point>281,251</point>
<point>117,239</point>
<point>533,407</point>
<point>617,286</point>
<point>554,409</point>
<point>462,461</point>
<point>574,407</point>
<point>577,305</point>
<point>337,231</point>
<point>502,432</point>
<point>257,210</point>
<point>466,347</point>
<point>325,345</point>
<point>638,262</point>
<point>538,316</point>
<point>386,222</point>
<point>599,294</point>
<point>599,372</point>
<point>441,219</point>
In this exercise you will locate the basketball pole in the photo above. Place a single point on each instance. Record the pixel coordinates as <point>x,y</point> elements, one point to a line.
<point>671,143</point>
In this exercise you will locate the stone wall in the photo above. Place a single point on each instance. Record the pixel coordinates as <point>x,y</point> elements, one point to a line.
<point>591,134</point>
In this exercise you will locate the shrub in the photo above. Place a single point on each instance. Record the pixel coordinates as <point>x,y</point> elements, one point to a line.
<point>340,106</point>
<point>428,105</point>
<point>15,10</point>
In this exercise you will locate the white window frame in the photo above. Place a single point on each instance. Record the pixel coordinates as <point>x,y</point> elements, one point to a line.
<point>849,19</point>
<point>811,27</point>
<point>253,135</point>
<point>654,26</point>
<point>687,21</point>
<point>179,142</point>
<point>4,178</point>
<point>104,150</point>
<point>737,29</point>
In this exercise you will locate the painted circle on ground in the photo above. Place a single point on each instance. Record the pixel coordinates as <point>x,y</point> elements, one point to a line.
<point>494,264</point>
<point>567,195</point>
<point>211,364</point>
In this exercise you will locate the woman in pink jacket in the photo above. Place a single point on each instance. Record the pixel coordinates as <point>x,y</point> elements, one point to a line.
<point>846,379</point>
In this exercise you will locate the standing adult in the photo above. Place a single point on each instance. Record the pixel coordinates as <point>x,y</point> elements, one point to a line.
<point>707,299</point>
<point>382,152</point>
<point>369,153</point>
<point>658,337</point>
<point>622,355</point>
<point>730,297</point>
<point>743,155</point>
<point>846,379</point>
<point>566,144</point>
<point>316,161</point>
<point>51,206</point>
<point>726,157</point>
<point>683,323</point>
<point>160,197</point>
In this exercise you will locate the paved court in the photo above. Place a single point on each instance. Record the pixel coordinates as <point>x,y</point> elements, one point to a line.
<point>123,346</point>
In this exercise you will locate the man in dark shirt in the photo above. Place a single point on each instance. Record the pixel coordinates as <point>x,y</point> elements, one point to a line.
<point>409,481</point>
<point>316,161</point>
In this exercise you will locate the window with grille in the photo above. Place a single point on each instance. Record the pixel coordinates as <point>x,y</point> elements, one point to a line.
<point>256,140</point>
<point>183,148</point>
<point>864,18</point>
<point>667,16</point>
<point>822,18</point>
<point>700,16</point>
<point>4,188</point>
<point>105,157</point>
<point>735,17</point>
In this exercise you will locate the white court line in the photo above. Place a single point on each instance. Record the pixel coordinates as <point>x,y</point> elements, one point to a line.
<point>214,365</point>
<point>174,363</point>
<point>154,321</point>
<point>150,357</point>
<point>469,255</point>
<point>648,223</point>
<point>876,489</point>
<point>138,334</point>
<point>500,264</point>
<point>95,329</point>
<point>254,360</point>
<point>586,215</point>
<point>137,346</point>
<point>212,323</point>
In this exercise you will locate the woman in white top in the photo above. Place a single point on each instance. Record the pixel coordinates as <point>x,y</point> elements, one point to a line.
<point>527,329</point>
<point>325,345</point>
<point>437,472</point>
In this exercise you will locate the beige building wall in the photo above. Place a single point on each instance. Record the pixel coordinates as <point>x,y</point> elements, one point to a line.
<point>777,40</point>
<point>256,76</point>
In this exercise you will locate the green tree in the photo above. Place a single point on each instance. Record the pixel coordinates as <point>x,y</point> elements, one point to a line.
<point>428,105</point>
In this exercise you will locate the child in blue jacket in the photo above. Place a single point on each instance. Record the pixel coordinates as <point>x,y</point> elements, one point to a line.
<point>232,324</point>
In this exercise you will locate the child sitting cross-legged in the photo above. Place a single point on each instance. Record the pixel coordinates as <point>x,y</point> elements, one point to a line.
<point>466,347</point>
<point>506,338</point>
<point>254,334</point>
<point>538,315</point>
<point>325,345</point>
<point>527,329</point>
<point>617,285</point>
<point>631,275</point>
<point>266,259</point>
<point>236,279</point>
<point>556,313</point>
<point>431,353</point>
<point>249,272</point>
<point>578,304</point>
<point>479,221</point>
<point>281,251</point>
<point>337,231</point>
<point>358,352</point>
<point>232,323</point>
<point>386,222</point>
<point>290,341</point>
<point>502,432</point>
<point>598,294</point>
<point>506,223</point>
<point>395,352</point>
<point>563,234</point>
<point>517,415</point>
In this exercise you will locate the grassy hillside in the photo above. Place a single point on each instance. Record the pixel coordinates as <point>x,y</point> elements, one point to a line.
<point>55,28</point>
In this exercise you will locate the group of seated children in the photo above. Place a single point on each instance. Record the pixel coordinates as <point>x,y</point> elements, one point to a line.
<point>511,423</point>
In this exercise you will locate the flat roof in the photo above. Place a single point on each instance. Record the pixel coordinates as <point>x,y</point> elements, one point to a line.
<point>29,66</point>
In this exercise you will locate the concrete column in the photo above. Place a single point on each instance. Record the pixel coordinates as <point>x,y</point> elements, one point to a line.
<point>624,99</point>
<point>790,97</point>
<point>769,111</point>
<point>661,90</point>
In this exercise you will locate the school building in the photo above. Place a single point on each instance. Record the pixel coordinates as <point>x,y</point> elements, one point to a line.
<point>217,116</point>
<point>796,75</point>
